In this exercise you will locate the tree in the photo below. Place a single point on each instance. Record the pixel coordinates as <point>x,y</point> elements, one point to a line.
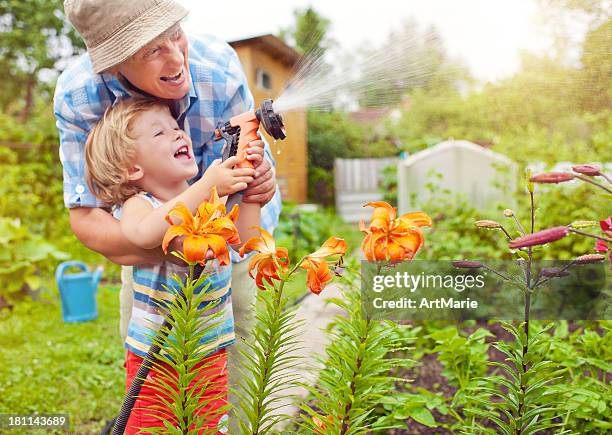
<point>34,38</point>
<point>309,33</point>
<point>596,72</point>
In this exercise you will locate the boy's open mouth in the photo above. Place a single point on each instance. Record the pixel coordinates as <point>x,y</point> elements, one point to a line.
<point>182,153</point>
<point>174,78</point>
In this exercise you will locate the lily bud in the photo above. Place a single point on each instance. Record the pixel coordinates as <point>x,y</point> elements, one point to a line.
<point>528,173</point>
<point>554,272</point>
<point>540,238</point>
<point>467,264</point>
<point>589,170</point>
<point>491,225</point>
<point>552,177</point>
<point>590,258</point>
<point>508,213</point>
<point>582,224</point>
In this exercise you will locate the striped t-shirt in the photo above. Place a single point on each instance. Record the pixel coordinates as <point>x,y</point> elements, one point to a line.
<point>151,291</point>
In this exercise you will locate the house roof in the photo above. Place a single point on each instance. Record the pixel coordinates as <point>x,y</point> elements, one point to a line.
<point>273,45</point>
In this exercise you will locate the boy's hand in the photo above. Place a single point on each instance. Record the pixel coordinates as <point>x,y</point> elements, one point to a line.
<point>227,179</point>
<point>255,152</point>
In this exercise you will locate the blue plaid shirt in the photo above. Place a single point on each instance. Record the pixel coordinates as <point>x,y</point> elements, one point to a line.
<point>218,91</point>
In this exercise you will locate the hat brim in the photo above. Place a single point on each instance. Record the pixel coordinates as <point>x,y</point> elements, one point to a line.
<point>138,33</point>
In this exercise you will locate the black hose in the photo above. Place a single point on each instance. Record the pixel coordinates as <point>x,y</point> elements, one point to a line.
<point>144,369</point>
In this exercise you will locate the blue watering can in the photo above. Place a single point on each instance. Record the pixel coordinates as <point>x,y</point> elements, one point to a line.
<point>78,291</point>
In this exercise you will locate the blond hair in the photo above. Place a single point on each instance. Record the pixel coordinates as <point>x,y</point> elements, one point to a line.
<point>110,150</point>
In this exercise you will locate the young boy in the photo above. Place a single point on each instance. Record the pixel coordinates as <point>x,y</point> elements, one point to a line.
<point>140,160</point>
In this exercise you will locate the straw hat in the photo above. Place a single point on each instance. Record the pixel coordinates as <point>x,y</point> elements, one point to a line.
<point>113,30</point>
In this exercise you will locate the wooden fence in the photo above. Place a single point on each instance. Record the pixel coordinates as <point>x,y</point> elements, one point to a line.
<point>357,181</point>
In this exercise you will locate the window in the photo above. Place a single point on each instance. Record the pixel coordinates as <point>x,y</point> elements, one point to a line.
<point>263,79</point>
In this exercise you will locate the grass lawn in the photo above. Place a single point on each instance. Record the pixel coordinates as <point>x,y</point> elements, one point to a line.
<point>48,366</point>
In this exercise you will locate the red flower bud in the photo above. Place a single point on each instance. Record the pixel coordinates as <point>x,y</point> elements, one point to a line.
<point>606,224</point>
<point>467,264</point>
<point>491,225</point>
<point>601,246</point>
<point>540,238</point>
<point>590,170</point>
<point>554,272</point>
<point>590,258</point>
<point>552,177</point>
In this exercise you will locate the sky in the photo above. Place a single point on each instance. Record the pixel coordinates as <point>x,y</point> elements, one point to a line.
<point>488,35</point>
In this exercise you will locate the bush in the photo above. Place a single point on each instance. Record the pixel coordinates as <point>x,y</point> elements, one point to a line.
<point>31,199</point>
<point>303,232</point>
<point>26,260</point>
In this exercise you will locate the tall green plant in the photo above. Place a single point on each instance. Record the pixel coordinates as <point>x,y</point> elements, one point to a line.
<point>271,353</point>
<point>268,358</point>
<point>181,400</point>
<point>356,377</point>
<point>523,402</point>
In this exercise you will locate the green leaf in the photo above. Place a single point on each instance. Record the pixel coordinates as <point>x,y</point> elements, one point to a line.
<point>423,416</point>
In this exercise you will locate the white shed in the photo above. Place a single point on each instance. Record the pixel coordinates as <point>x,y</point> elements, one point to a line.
<point>459,166</point>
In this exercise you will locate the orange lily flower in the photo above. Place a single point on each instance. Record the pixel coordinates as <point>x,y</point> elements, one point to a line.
<point>264,261</point>
<point>321,423</point>
<point>392,238</point>
<point>316,263</point>
<point>211,228</point>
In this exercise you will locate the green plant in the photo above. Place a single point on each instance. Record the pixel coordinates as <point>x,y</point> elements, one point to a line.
<point>267,359</point>
<point>304,231</point>
<point>388,184</point>
<point>180,399</point>
<point>518,400</point>
<point>357,372</point>
<point>585,356</point>
<point>271,352</point>
<point>464,358</point>
<point>27,259</point>
<point>524,404</point>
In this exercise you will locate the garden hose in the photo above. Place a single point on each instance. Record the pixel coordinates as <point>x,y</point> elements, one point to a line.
<point>144,369</point>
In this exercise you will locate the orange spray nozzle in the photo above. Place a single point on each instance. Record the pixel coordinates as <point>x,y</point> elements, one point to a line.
<point>242,129</point>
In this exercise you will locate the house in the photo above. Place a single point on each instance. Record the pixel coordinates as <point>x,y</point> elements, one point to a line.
<point>268,64</point>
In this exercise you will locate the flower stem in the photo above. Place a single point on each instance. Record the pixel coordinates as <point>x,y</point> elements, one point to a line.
<point>521,407</point>
<point>270,352</point>
<point>605,177</point>
<point>594,183</point>
<point>501,227</point>
<point>504,277</point>
<point>582,233</point>
<point>520,227</point>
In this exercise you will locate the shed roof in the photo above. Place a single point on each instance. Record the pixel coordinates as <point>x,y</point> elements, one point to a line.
<point>452,144</point>
<point>273,45</point>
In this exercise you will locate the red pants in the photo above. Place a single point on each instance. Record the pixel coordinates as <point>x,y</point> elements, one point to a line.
<point>213,398</point>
